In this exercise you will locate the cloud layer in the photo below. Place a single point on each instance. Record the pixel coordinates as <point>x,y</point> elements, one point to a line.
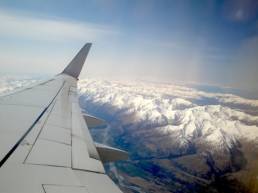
<point>10,83</point>
<point>54,29</point>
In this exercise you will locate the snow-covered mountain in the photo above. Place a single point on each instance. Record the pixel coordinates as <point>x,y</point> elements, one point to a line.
<point>180,139</point>
<point>171,110</point>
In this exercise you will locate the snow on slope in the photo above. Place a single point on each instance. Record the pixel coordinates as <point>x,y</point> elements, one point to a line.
<point>170,109</point>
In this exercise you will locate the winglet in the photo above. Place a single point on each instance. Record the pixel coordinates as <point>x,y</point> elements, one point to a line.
<point>75,66</point>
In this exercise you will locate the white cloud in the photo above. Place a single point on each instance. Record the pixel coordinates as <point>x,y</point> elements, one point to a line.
<point>24,26</point>
<point>10,83</point>
<point>37,44</point>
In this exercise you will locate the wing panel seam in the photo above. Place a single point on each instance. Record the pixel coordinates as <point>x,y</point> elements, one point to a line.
<point>10,152</point>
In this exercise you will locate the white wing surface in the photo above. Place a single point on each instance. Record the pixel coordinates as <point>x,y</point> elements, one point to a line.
<point>45,144</point>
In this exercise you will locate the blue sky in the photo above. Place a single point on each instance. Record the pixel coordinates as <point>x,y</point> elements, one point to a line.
<point>209,41</point>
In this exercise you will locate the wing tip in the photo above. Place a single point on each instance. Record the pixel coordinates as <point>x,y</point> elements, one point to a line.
<point>75,66</point>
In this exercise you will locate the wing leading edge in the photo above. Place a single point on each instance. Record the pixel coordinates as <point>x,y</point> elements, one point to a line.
<point>47,147</point>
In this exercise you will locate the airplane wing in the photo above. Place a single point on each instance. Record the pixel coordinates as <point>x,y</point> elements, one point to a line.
<point>45,144</point>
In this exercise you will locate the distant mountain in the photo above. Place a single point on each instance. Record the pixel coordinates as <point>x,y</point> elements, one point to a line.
<point>180,139</point>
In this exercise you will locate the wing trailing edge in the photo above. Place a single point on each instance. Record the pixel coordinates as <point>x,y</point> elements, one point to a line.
<point>75,66</point>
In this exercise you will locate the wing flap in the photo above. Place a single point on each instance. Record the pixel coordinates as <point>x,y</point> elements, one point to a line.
<point>84,153</point>
<point>110,154</point>
<point>92,121</point>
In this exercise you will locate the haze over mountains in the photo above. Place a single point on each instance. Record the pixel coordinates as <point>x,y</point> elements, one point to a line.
<point>180,139</point>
